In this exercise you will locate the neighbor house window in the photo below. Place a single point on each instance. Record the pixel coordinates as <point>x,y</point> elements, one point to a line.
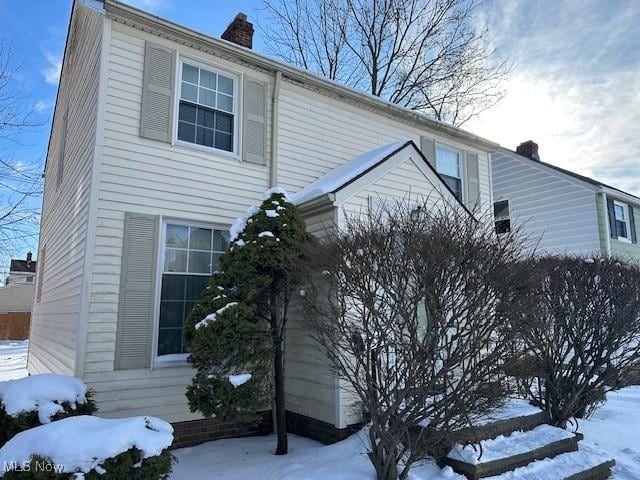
<point>191,255</point>
<point>448,165</point>
<point>502,216</point>
<point>206,111</point>
<point>621,213</point>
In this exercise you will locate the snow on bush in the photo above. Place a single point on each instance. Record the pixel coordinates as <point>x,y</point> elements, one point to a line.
<point>213,316</point>
<point>39,399</point>
<point>237,380</point>
<point>84,444</point>
<point>43,393</point>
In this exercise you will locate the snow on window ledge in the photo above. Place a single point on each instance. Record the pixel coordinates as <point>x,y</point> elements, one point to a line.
<point>171,360</point>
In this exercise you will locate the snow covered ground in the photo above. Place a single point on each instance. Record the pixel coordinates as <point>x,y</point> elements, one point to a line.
<point>243,458</point>
<point>615,430</point>
<point>13,359</point>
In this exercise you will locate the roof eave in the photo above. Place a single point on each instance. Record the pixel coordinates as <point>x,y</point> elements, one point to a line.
<point>173,31</point>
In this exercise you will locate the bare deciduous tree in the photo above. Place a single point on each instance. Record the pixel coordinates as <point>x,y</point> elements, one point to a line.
<point>426,55</point>
<point>20,181</point>
<point>412,307</point>
<point>584,333</point>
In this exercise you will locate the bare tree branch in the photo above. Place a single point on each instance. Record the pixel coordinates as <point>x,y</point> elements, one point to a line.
<point>426,55</point>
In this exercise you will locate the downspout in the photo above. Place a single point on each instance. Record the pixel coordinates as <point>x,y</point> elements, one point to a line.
<point>273,173</point>
<point>605,218</point>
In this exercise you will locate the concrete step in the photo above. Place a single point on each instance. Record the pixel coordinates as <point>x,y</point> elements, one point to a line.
<point>515,415</point>
<point>585,464</point>
<point>504,453</point>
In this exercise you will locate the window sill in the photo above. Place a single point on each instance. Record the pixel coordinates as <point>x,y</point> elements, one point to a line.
<point>209,150</point>
<point>171,361</point>
<point>624,239</point>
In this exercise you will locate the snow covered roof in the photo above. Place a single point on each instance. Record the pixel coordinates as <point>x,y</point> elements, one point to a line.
<point>341,176</point>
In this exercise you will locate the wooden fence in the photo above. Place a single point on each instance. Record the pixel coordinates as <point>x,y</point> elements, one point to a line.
<point>14,326</point>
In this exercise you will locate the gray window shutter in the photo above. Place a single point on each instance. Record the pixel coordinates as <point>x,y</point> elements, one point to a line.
<point>157,92</point>
<point>612,218</point>
<point>428,147</point>
<point>472,182</point>
<point>632,224</point>
<point>254,130</point>
<point>137,291</point>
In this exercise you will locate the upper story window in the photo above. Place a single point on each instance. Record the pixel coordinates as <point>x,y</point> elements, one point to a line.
<point>621,213</point>
<point>449,166</point>
<point>191,254</point>
<point>207,108</point>
<point>502,216</point>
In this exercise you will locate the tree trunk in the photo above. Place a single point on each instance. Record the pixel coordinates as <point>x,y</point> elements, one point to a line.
<point>278,374</point>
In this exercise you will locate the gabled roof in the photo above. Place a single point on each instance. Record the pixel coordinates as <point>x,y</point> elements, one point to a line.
<point>577,176</point>
<point>344,175</point>
<point>22,266</point>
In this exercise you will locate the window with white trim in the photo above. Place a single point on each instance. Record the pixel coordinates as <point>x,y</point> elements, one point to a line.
<point>449,166</point>
<point>623,228</point>
<point>191,254</point>
<point>207,108</point>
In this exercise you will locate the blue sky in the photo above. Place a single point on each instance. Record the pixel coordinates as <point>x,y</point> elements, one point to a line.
<point>574,88</point>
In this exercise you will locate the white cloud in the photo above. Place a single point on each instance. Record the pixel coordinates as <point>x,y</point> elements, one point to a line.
<point>42,105</point>
<point>52,72</point>
<point>574,87</point>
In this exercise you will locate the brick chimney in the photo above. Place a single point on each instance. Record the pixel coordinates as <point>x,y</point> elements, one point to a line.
<point>529,149</point>
<point>240,31</point>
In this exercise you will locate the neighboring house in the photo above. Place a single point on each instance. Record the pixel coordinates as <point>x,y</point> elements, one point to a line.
<point>21,271</point>
<point>561,211</point>
<point>16,296</point>
<point>161,137</point>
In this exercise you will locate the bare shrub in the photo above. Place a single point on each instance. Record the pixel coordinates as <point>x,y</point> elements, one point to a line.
<point>412,307</point>
<point>584,331</point>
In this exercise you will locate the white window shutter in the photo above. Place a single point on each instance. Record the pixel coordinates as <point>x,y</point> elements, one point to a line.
<point>254,126</point>
<point>472,181</point>
<point>157,92</point>
<point>428,147</point>
<point>137,291</point>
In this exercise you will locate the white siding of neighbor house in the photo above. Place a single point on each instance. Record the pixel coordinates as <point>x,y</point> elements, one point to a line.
<point>16,297</point>
<point>317,133</point>
<point>55,318</point>
<point>556,212</point>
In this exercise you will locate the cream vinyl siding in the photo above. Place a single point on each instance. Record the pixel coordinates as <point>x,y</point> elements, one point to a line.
<point>139,175</point>
<point>557,212</point>
<point>55,318</point>
<point>154,178</point>
<point>317,133</point>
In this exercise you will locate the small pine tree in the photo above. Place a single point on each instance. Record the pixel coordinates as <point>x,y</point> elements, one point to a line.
<point>239,325</point>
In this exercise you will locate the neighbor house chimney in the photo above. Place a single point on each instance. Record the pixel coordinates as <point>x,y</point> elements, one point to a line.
<point>28,258</point>
<point>240,31</point>
<point>529,149</point>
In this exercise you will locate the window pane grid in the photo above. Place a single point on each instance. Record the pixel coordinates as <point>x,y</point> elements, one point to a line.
<point>182,289</point>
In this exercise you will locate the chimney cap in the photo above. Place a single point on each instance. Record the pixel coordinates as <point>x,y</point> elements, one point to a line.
<point>528,149</point>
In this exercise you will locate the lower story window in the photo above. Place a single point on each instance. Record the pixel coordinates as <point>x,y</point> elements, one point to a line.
<point>190,256</point>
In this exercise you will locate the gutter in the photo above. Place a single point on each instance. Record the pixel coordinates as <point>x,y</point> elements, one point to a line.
<point>153,24</point>
<point>273,170</point>
<point>627,197</point>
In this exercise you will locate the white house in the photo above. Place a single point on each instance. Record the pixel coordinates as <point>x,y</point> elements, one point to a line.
<point>161,137</point>
<point>560,211</point>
